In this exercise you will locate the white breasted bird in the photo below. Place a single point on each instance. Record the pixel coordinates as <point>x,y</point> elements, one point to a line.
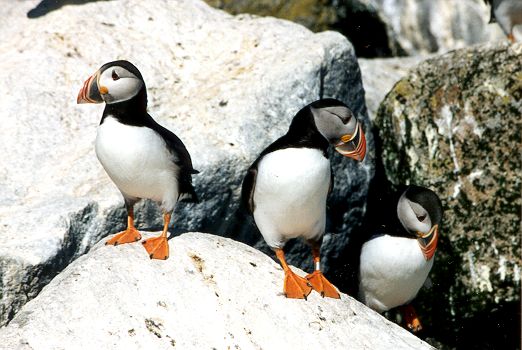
<point>141,157</point>
<point>286,188</point>
<point>508,14</point>
<point>396,259</point>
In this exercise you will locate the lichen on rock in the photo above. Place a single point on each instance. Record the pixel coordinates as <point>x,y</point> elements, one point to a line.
<point>453,124</point>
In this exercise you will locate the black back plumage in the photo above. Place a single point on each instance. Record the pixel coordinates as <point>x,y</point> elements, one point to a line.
<point>134,112</point>
<point>302,133</point>
<point>385,220</point>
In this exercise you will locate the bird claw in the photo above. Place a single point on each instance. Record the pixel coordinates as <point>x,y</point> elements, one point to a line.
<point>296,287</point>
<point>321,285</point>
<point>130,235</point>
<point>157,247</point>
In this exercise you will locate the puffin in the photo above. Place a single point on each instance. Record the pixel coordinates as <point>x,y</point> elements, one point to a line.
<point>142,158</point>
<point>398,255</point>
<point>286,187</point>
<point>508,14</point>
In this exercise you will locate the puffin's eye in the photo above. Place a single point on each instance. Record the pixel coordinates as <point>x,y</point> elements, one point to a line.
<point>115,76</point>
<point>421,218</point>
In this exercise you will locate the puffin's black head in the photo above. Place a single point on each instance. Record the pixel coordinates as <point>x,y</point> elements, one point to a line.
<point>114,82</point>
<point>337,124</point>
<point>420,212</point>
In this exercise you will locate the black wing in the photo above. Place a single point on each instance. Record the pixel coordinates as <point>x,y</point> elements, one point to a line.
<point>182,160</point>
<point>247,190</point>
<point>331,187</point>
<point>249,182</point>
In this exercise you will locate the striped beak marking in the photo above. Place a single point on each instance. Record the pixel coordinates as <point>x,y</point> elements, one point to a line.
<point>90,93</point>
<point>353,146</point>
<point>428,242</point>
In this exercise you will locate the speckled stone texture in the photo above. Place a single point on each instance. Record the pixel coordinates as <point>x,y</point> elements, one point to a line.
<point>213,293</point>
<point>454,125</point>
<point>379,75</point>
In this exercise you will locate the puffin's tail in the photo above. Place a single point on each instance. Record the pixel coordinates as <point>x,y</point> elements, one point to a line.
<point>186,190</point>
<point>189,197</point>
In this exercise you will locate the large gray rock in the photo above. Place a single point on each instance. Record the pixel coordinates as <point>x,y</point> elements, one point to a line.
<point>424,26</point>
<point>227,86</point>
<point>379,75</point>
<point>213,292</point>
<point>453,124</point>
<point>380,28</point>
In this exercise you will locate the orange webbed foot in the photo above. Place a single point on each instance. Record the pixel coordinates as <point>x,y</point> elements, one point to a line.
<point>296,287</point>
<point>157,247</point>
<point>411,319</point>
<point>128,236</point>
<point>321,285</point>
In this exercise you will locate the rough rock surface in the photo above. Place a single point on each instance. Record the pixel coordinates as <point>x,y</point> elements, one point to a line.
<point>227,86</point>
<point>453,125</point>
<point>380,28</point>
<point>379,75</point>
<point>315,15</point>
<point>212,292</point>
<point>424,26</point>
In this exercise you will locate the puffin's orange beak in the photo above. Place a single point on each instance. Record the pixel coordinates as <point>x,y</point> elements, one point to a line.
<point>89,93</point>
<point>428,242</point>
<point>353,146</point>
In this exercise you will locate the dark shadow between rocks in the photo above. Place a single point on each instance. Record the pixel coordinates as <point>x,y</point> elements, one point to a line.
<point>356,19</point>
<point>367,33</point>
<point>42,274</point>
<point>496,327</point>
<point>46,6</point>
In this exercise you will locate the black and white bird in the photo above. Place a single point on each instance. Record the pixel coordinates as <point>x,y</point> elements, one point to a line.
<point>142,158</point>
<point>508,14</point>
<point>286,188</point>
<point>396,259</point>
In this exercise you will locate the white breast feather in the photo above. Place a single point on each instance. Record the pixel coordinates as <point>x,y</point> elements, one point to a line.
<point>290,195</point>
<point>391,272</point>
<point>137,160</point>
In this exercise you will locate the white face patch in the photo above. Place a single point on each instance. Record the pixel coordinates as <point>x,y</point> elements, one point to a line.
<point>121,84</point>
<point>413,216</point>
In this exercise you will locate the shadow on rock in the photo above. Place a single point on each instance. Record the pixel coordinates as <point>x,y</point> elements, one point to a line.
<point>46,6</point>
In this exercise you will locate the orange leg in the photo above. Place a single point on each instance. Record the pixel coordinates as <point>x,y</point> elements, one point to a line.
<point>131,234</point>
<point>158,247</point>
<point>410,318</point>
<point>511,37</point>
<point>294,286</point>
<point>319,283</point>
